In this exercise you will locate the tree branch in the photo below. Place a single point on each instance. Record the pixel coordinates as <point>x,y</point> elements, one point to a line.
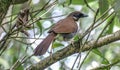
<point>4,6</point>
<point>69,50</point>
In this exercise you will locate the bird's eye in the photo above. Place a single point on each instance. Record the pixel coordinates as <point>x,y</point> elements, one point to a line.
<point>76,15</point>
<point>80,15</point>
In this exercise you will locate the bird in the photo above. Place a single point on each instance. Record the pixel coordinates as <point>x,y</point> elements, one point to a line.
<point>66,27</point>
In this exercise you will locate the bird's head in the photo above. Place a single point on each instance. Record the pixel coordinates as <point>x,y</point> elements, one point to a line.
<point>76,15</point>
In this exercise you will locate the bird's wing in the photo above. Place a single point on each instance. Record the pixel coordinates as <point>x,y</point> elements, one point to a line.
<point>67,25</point>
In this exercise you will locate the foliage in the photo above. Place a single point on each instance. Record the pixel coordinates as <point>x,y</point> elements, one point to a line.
<point>18,40</point>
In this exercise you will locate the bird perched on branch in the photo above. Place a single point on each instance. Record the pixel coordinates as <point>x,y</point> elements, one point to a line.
<point>66,27</point>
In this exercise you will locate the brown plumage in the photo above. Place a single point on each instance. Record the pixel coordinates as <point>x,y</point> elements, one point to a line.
<point>66,27</point>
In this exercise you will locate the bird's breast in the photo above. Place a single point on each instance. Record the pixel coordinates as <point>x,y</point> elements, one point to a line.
<point>67,36</point>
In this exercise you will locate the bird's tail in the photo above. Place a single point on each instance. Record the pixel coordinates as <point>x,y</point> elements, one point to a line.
<point>43,46</point>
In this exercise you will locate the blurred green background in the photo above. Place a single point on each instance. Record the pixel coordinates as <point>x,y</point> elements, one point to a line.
<point>20,47</point>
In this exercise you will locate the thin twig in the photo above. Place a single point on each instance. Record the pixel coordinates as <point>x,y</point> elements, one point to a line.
<point>106,66</point>
<point>86,39</point>
<point>88,5</point>
<point>97,39</point>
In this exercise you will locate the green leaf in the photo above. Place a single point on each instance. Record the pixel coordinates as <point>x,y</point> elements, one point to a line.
<point>96,51</point>
<point>110,29</point>
<point>104,61</point>
<point>16,9</point>
<point>4,63</point>
<point>116,21</point>
<point>111,26</point>
<point>57,44</point>
<point>76,37</point>
<point>103,6</point>
<point>40,26</point>
<point>20,67</point>
<point>116,7</point>
<point>111,1</point>
<point>78,1</point>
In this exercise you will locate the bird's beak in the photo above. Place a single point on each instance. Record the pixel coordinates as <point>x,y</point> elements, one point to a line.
<point>84,15</point>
